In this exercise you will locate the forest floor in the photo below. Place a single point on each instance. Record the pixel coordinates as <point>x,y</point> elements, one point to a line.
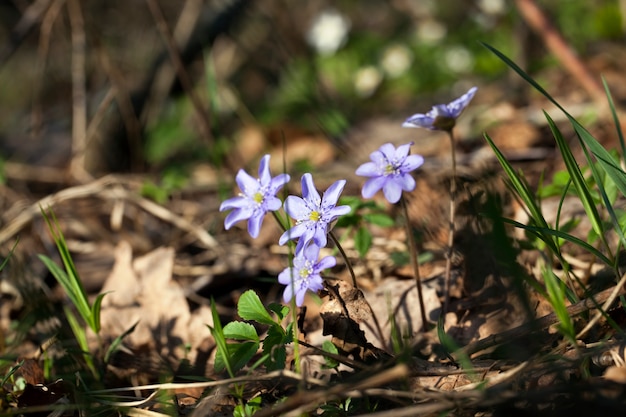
<point>165,265</point>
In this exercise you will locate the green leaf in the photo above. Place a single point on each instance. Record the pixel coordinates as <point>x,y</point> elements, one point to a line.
<point>239,330</point>
<point>250,307</point>
<point>379,219</point>
<point>118,341</point>
<point>222,359</point>
<point>329,347</point>
<point>274,346</point>
<point>362,241</point>
<point>280,310</point>
<point>239,354</point>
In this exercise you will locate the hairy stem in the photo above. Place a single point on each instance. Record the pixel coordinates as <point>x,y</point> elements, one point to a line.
<point>413,252</point>
<point>344,256</point>
<point>451,227</point>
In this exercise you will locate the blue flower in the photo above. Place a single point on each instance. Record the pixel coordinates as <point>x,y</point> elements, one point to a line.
<point>390,171</point>
<point>258,196</point>
<point>442,116</point>
<point>305,274</point>
<point>312,213</point>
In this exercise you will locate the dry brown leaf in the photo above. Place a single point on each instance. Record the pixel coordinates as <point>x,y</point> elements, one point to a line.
<point>143,291</point>
<point>346,314</point>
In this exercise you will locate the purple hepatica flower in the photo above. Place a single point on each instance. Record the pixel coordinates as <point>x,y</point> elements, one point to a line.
<point>258,196</point>
<point>390,170</point>
<point>305,274</point>
<point>313,214</point>
<point>442,116</point>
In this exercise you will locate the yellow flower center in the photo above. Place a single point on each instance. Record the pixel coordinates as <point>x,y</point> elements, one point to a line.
<point>314,216</point>
<point>258,197</point>
<point>304,273</point>
<point>389,169</point>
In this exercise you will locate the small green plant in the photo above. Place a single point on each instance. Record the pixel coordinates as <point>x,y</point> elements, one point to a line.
<point>70,281</point>
<point>233,356</point>
<point>597,194</point>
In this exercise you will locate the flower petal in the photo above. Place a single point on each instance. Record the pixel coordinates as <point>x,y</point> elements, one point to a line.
<point>392,191</point>
<point>288,293</point>
<point>338,211</point>
<point>457,106</point>
<point>236,216</point>
<point>293,233</point>
<point>316,283</point>
<point>254,223</point>
<point>272,203</point>
<point>402,151</point>
<point>368,169</point>
<point>407,182</point>
<point>388,150</point>
<point>311,253</point>
<point>278,182</point>
<point>300,293</point>
<point>234,203</point>
<point>319,235</point>
<point>296,208</point>
<point>309,193</point>
<point>287,276</point>
<point>372,186</point>
<point>412,162</point>
<point>331,196</point>
<point>264,170</point>
<point>325,263</point>
<point>419,120</point>
<point>248,185</point>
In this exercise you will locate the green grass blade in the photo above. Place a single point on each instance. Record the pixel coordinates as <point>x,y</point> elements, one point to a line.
<point>578,180</point>
<point>565,236</point>
<point>81,337</point>
<point>218,334</point>
<point>556,296</point>
<point>527,197</point>
<point>606,160</point>
<point>118,341</point>
<point>66,282</point>
<point>602,155</point>
<point>6,260</point>
<point>618,125</point>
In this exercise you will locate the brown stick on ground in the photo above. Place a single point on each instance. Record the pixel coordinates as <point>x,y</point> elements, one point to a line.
<point>554,41</point>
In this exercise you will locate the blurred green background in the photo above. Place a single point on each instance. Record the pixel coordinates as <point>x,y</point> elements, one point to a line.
<point>321,66</point>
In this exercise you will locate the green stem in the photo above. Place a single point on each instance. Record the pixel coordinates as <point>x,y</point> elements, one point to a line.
<point>296,339</point>
<point>451,228</point>
<point>414,255</point>
<point>344,256</point>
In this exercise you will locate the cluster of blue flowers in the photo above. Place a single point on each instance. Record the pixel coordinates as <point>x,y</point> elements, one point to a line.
<point>389,170</point>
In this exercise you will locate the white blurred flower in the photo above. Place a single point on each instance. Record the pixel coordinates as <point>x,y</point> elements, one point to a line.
<point>430,31</point>
<point>492,7</point>
<point>396,60</point>
<point>328,32</point>
<point>367,80</point>
<point>458,59</point>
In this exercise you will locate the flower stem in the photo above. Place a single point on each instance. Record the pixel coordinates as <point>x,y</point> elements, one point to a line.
<point>296,338</point>
<point>344,256</point>
<point>451,227</point>
<point>413,252</point>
